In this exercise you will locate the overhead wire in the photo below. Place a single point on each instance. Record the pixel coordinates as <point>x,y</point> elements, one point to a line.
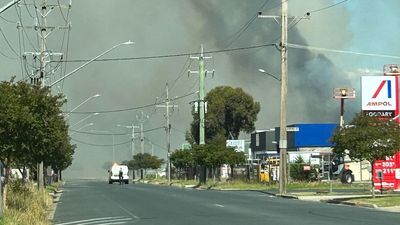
<point>238,33</point>
<point>99,145</point>
<point>341,51</point>
<point>7,20</point>
<point>127,109</point>
<point>9,44</point>
<point>173,55</point>
<point>116,134</point>
<point>24,31</point>
<point>29,12</point>
<point>328,7</point>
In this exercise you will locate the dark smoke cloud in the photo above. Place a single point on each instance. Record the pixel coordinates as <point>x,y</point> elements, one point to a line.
<point>180,26</point>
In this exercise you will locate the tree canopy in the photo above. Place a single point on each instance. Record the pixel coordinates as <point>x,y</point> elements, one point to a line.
<point>367,138</point>
<point>32,127</point>
<point>144,161</point>
<point>229,111</point>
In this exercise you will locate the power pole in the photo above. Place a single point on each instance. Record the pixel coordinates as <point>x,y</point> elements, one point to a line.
<point>133,138</point>
<point>284,84</point>
<point>168,130</point>
<point>202,74</point>
<point>142,119</point>
<point>202,105</point>
<point>39,75</point>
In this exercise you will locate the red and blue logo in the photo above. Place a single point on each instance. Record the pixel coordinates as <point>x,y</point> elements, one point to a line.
<point>381,85</point>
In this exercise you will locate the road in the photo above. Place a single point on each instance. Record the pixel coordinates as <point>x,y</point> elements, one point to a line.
<point>99,203</point>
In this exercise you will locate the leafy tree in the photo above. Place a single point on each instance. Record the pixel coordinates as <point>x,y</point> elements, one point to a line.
<point>234,158</point>
<point>145,161</point>
<point>367,138</point>
<point>32,127</point>
<point>213,156</point>
<point>230,111</point>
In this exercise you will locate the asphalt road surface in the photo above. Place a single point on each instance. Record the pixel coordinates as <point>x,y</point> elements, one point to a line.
<point>90,202</point>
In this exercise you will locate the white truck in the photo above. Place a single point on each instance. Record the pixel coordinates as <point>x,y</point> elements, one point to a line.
<point>113,174</point>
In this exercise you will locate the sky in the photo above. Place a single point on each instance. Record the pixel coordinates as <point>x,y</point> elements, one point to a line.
<point>175,28</point>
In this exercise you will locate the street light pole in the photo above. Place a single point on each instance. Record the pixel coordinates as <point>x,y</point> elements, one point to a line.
<point>88,99</point>
<point>84,126</point>
<point>80,121</point>
<point>4,8</point>
<point>90,61</point>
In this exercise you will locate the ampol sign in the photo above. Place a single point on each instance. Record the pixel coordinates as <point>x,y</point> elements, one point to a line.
<point>380,98</point>
<point>380,95</point>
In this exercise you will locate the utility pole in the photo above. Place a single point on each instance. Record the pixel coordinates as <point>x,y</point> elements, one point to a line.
<point>168,131</point>
<point>39,75</point>
<point>284,84</point>
<point>202,74</point>
<point>133,138</point>
<point>202,105</point>
<point>142,119</point>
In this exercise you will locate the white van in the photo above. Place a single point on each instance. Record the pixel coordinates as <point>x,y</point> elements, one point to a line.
<point>113,174</point>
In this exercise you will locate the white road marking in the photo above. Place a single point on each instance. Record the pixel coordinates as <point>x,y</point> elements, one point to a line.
<point>108,220</point>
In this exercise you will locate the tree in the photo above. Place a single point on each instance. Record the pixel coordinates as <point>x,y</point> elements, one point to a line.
<point>367,138</point>
<point>182,159</point>
<point>145,161</point>
<point>230,111</point>
<point>32,127</point>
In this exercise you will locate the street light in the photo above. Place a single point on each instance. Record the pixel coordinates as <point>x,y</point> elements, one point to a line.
<point>113,140</point>
<point>273,76</point>
<point>90,61</point>
<point>88,99</point>
<point>80,121</point>
<point>4,8</point>
<point>84,126</point>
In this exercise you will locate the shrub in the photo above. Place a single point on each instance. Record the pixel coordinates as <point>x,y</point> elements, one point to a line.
<point>25,205</point>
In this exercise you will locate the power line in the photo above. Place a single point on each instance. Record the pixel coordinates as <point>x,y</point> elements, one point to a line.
<point>128,109</point>
<point>7,20</point>
<point>341,51</point>
<point>158,145</point>
<point>327,7</point>
<point>114,134</point>
<point>8,43</point>
<point>171,55</point>
<point>98,145</point>
<point>246,25</point>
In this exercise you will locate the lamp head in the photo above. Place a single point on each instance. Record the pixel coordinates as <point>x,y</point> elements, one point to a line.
<point>128,43</point>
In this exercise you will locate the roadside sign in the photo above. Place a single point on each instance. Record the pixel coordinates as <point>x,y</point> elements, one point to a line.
<point>238,145</point>
<point>295,129</point>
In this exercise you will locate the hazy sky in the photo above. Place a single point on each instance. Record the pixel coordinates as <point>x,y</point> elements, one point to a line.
<point>160,27</point>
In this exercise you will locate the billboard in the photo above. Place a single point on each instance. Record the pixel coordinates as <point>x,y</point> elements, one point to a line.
<point>238,145</point>
<point>380,96</point>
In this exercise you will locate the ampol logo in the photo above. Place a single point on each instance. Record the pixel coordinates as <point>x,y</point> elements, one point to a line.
<point>378,93</point>
<point>389,88</point>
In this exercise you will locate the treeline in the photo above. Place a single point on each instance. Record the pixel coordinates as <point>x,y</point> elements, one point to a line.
<point>195,162</point>
<point>32,128</point>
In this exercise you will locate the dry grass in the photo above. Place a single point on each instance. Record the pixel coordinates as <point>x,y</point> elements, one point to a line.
<point>26,205</point>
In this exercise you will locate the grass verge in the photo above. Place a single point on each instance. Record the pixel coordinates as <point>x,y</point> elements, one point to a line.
<point>386,201</point>
<point>26,205</point>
